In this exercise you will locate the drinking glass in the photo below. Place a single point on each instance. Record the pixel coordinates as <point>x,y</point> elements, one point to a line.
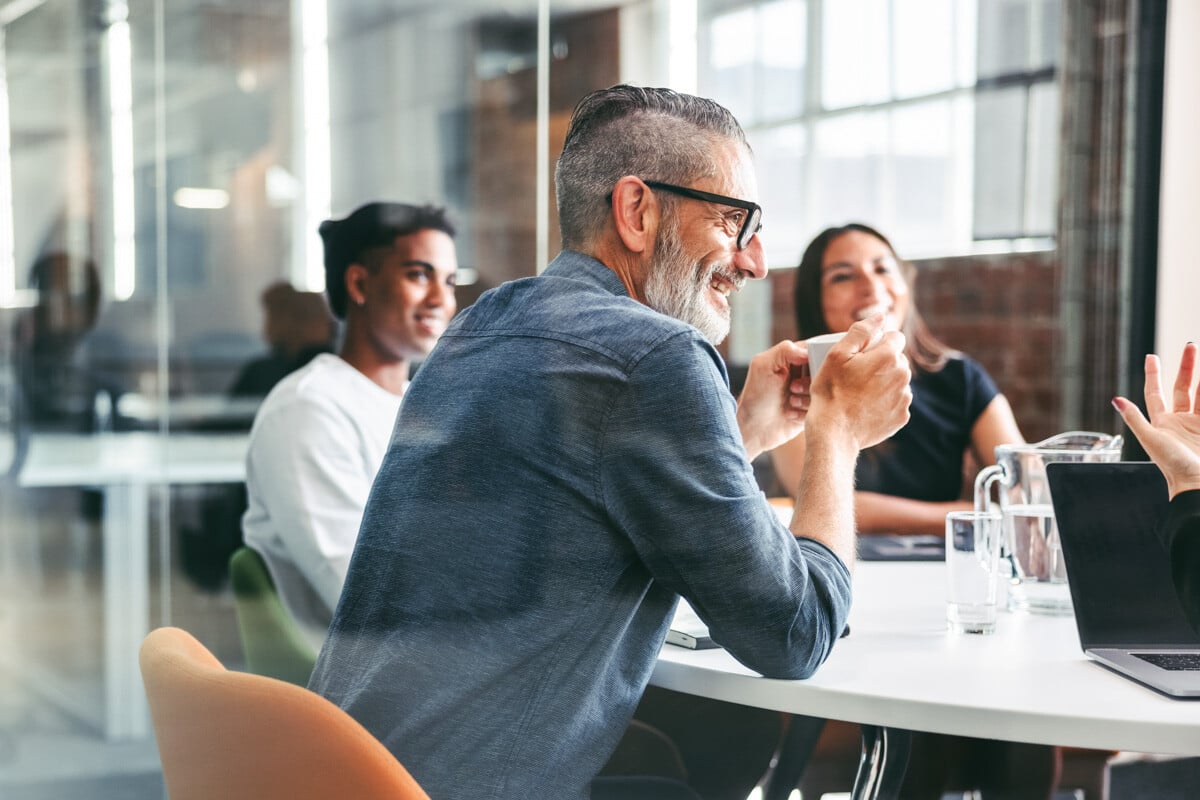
<point>972,570</point>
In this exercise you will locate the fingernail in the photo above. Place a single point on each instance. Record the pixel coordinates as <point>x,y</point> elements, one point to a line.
<point>1116,403</point>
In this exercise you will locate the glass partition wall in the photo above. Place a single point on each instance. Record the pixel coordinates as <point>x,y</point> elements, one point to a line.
<point>164,165</point>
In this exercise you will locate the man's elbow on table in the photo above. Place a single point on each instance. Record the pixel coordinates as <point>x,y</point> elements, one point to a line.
<point>804,648</point>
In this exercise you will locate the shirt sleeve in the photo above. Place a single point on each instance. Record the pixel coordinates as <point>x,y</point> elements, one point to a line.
<point>309,475</point>
<point>1182,534</point>
<point>979,387</point>
<point>677,480</point>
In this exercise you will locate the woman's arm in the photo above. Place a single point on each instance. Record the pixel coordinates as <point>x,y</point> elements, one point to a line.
<point>881,513</point>
<point>873,512</point>
<point>885,513</point>
<point>995,426</point>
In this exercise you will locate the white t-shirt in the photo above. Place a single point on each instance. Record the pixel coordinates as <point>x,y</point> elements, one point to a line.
<point>317,441</point>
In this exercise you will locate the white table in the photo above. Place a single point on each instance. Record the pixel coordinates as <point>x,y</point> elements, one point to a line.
<point>124,466</point>
<point>188,411</point>
<point>901,668</point>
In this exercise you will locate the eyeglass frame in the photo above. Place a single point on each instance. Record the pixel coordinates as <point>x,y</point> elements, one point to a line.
<point>753,217</point>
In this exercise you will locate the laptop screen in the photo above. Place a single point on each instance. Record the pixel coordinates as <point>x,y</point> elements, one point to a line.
<point>1108,516</point>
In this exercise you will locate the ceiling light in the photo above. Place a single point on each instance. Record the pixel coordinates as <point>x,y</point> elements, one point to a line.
<point>197,197</point>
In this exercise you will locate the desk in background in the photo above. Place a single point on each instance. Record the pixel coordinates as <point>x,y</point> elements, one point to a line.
<point>124,466</point>
<point>901,668</point>
<point>194,412</point>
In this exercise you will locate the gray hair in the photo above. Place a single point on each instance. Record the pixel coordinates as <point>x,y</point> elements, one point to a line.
<point>655,134</point>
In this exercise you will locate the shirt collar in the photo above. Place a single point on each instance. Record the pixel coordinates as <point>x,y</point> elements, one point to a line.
<point>578,266</point>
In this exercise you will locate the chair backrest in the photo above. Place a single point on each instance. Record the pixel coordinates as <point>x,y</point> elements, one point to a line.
<point>271,638</point>
<point>241,737</point>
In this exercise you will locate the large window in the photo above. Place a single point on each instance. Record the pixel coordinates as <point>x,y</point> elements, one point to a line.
<point>935,120</point>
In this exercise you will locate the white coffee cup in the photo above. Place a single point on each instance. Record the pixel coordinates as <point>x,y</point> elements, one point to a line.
<point>818,348</point>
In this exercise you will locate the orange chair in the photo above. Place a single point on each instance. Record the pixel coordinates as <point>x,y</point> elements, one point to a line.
<point>239,736</point>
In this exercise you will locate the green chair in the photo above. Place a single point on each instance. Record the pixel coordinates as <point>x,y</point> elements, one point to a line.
<point>271,639</point>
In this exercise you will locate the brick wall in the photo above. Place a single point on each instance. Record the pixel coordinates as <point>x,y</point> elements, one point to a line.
<point>1003,312</point>
<point>504,145</point>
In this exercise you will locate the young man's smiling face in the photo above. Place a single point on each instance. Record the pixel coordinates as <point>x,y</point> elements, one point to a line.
<point>409,293</point>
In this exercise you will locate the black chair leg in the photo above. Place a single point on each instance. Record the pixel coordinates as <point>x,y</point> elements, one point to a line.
<point>884,761</point>
<point>794,753</point>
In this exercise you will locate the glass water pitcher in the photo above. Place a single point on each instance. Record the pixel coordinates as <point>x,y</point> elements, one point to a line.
<point>1031,549</point>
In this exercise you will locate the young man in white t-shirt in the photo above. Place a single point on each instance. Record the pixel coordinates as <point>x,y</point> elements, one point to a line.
<point>320,435</point>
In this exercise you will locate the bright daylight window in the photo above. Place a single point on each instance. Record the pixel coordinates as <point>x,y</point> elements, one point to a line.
<point>935,120</point>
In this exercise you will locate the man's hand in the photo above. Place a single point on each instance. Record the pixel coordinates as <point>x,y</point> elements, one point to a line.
<point>859,398</point>
<point>862,390</point>
<point>1172,435</point>
<point>775,399</point>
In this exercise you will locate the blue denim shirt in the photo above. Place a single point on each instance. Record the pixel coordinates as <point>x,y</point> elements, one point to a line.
<point>564,465</point>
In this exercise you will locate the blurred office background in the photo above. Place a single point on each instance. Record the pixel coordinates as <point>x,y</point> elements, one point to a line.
<point>164,164</point>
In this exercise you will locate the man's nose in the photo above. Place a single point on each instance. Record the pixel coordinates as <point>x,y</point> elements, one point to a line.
<point>752,261</point>
<point>438,293</point>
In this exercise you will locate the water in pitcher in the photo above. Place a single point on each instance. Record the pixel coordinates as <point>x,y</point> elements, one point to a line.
<point>1040,577</point>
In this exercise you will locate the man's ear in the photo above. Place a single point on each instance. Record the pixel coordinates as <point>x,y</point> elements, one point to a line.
<point>635,214</point>
<point>356,284</point>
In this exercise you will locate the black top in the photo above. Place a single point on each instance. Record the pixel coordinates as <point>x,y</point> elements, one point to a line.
<point>924,460</point>
<point>1182,535</point>
<point>259,377</point>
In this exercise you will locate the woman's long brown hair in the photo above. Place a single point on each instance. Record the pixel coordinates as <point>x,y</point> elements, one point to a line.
<point>924,350</point>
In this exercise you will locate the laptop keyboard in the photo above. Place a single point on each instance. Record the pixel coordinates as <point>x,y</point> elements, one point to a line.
<point>1174,662</point>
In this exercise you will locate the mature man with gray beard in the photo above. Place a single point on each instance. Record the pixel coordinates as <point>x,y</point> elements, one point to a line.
<point>570,460</point>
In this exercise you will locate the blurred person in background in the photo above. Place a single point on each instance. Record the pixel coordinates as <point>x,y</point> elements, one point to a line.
<point>60,389</point>
<point>297,327</point>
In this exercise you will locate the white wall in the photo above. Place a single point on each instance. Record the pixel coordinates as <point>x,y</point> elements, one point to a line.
<point>1178,317</point>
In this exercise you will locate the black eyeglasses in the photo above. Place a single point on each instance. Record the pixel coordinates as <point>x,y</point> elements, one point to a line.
<point>751,225</point>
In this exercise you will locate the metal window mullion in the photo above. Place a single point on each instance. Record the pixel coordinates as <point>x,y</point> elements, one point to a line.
<point>1073,241</point>
<point>813,100</point>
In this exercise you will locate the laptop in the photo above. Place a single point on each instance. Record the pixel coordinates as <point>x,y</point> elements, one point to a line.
<point>1126,609</point>
<point>901,547</point>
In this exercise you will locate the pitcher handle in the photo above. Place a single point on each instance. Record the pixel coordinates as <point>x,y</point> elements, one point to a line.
<point>983,487</point>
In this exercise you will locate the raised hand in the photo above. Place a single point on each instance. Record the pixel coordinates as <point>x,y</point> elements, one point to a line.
<point>1172,434</point>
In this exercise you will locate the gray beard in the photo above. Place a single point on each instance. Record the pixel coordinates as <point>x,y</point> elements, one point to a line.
<point>676,288</point>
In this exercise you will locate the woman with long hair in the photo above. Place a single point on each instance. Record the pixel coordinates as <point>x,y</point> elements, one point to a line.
<point>907,483</point>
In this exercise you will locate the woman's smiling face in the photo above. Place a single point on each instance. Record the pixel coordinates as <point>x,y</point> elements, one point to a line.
<point>861,276</point>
